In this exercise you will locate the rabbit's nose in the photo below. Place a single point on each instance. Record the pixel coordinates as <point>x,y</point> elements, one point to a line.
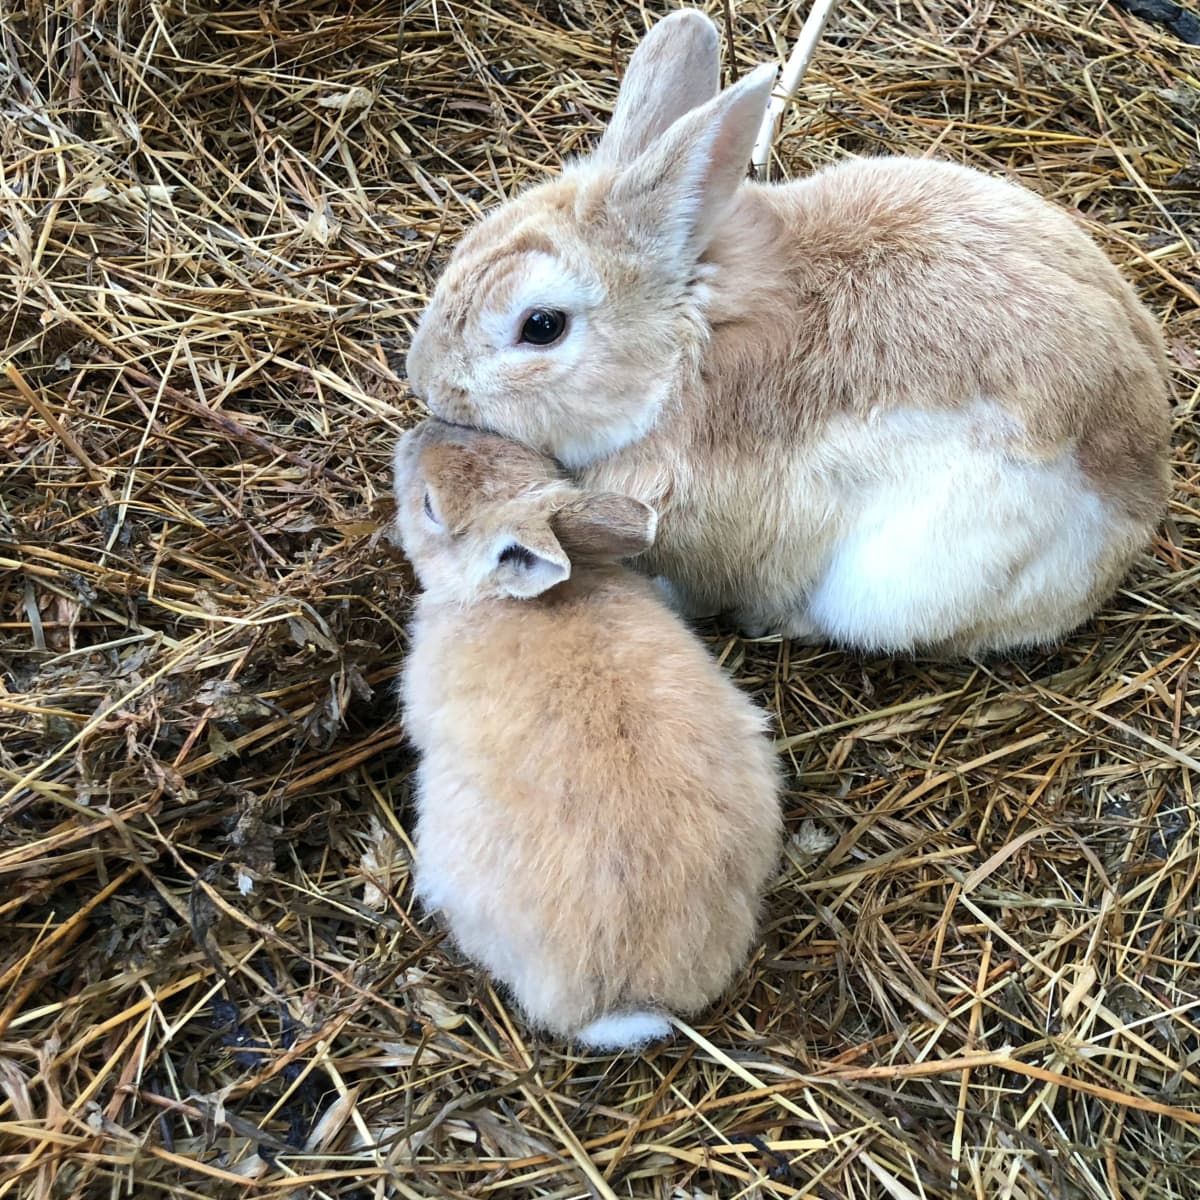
<point>426,360</point>
<point>413,368</point>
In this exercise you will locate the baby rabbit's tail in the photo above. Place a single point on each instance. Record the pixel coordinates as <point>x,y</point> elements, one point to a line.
<point>624,1031</point>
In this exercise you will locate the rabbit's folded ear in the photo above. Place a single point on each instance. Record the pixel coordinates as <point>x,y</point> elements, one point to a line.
<point>676,192</point>
<point>605,525</point>
<point>527,562</point>
<point>674,69</point>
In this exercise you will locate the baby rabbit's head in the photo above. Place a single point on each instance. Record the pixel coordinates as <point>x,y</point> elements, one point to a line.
<point>561,319</point>
<point>482,517</point>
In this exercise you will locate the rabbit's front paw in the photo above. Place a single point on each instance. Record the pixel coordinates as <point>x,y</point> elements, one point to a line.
<point>680,601</point>
<point>795,626</point>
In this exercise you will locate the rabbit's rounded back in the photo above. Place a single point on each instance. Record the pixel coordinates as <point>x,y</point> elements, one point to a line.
<point>598,805</point>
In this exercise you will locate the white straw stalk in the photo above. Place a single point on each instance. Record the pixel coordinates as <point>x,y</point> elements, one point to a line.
<point>789,84</point>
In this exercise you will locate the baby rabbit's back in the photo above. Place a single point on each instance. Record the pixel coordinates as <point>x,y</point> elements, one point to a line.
<point>597,751</point>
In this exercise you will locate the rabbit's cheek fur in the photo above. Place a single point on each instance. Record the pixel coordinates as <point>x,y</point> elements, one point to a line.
<point>625,375</point>
<point>534,399</point>
<point>628,419</point>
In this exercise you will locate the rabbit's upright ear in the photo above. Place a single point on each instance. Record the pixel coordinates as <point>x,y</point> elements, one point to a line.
<point>674,69</point>
<point>604,525</point>
<point>675,193</point>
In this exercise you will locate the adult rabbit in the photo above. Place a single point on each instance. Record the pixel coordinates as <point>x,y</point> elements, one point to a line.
<point>898,404</point>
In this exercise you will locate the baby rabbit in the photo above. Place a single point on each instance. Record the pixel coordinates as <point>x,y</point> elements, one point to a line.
<point>597,804</point>
<point>899,404</point>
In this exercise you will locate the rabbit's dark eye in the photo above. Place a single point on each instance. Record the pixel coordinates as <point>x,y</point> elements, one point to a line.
<point>544,326</point>
<point>428,506</point>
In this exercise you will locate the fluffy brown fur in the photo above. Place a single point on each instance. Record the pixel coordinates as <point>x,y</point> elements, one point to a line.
<point>598,805</point>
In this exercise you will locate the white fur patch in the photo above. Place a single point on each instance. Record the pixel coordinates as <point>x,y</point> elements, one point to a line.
<point>580,451</point>
<point>624,1031</point>
<point>910,530</point>
<point>951,532</point>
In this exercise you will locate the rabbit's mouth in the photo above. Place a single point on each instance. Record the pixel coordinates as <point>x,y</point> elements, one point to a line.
<point>449,404</point>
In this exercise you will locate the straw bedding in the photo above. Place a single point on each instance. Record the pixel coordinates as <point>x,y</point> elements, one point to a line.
<point>979,968</point>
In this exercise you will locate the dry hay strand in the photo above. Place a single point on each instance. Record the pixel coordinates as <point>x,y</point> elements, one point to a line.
<point>978,975</point>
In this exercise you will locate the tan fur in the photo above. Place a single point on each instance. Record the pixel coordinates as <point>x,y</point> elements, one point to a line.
<point>737,384</point>
<point>597,803</point>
